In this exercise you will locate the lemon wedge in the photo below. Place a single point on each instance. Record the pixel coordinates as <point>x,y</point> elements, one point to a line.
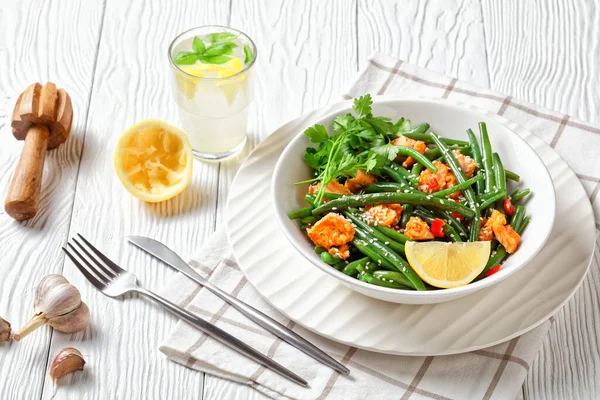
<point>154,160</point>
<point>447,265</point>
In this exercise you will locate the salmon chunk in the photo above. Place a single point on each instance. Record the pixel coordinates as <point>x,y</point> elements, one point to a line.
<point>467,164</point>
<point>504,233</point>
<point>332,187</point>
<point>431,182</point>
<point>418,145</point>
<point>332,230</point>
<point>383,214</point>
<point>342,251</point>
<point>485,231</point>
<point>417,229</point>
<point>361,180</point>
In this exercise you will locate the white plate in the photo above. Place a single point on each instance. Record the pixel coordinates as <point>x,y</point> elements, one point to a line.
<point>449,120</point>
<point>322,304</point>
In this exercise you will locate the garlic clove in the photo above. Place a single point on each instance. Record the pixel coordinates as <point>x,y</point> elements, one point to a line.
<point>59,300</point>
<point>4,330</point>
<point>46,284</point>
<point>66,361</point>
<point>75,321</point>
<point>59,304</point>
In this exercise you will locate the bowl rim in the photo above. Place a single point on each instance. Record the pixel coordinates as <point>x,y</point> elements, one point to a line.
<point>442,294</point>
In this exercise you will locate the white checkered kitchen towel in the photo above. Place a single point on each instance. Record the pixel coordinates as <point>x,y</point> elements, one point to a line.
<point>494,373</point>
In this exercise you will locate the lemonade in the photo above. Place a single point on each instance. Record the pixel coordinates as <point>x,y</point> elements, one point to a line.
<point>212,85</point>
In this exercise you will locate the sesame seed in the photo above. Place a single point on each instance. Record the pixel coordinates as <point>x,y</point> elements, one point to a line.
<point>441,201</point>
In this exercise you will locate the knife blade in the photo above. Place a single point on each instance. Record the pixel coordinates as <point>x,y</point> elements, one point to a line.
<point>169,257</point>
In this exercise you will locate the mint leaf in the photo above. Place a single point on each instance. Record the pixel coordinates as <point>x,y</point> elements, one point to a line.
<point>198,45</point>
<point>214,59</point>
<point>248,56</point>
<point>186,58</point>
<point>317,134</point>
<point>220,37</point>
<point>362,105</point>
<point>219,49</point>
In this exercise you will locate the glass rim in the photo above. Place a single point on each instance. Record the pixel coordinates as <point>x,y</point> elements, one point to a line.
<point>240,33</point>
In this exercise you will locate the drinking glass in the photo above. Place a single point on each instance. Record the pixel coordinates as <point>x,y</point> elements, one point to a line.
<point>213,99</point>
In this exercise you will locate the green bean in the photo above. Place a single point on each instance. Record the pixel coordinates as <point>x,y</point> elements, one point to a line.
<point>420,158</point>
<point>513,176</point>
<point>398,262</point>
<point>384,187</point>
<point>366,248</point>
<point>518,195</point>
<point>406,214</point>
<point>331,196</point>
<point>461,186</point>
<point>499,173</point>
<point>319,250</point>
<point>302,212</point>
<point>454,222</point>
<point>517,219</point>
<point>432,154</point>
<point>416,170</point>
<point>524,224</point>
<point>424,137</point>
<point>414,179</point>
<point>497,196</point>
<point>308,220</point>
<point>328,258</point>
<point>392,233</point>
<point>369,278</point>
<point>476,150</point>
<point>351,268</point>
<point>394,276</point>
<point>346,202</point>
<point>487,158</point>
<point>395,175</point>
<point>398,247</point>
<point>421,128</point>
<point>311,199</point>
<point>340,265</point>
<point>461,178</point>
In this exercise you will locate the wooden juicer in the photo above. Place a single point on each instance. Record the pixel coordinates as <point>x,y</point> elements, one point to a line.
<point>42,118</point>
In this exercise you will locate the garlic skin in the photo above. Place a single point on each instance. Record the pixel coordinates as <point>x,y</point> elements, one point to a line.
<point>66,361</point>
<point>57,303</point>
<point>4,330</point>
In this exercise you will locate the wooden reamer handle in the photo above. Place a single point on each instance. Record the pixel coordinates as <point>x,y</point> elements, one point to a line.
<point>23,198</point>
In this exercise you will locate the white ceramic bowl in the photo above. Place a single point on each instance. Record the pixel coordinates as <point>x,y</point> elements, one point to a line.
<point>449,120</point>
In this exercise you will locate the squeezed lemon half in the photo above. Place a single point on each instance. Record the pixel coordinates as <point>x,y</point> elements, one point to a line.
<point>447,265</point>
<point>154,160</point>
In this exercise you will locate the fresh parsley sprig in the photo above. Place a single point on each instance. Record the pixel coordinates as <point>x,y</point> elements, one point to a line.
<point>348,150</point>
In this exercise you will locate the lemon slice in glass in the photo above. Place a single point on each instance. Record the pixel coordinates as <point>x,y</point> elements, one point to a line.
<point>154,160</point>
<point>447,265</point>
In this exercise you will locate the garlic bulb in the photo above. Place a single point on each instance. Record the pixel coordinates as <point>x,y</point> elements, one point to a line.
<point>66,361</point>
<point>4,330</point>
<point>57,303</point>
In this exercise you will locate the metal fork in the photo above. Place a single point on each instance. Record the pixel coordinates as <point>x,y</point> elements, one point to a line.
<point>114,281</point>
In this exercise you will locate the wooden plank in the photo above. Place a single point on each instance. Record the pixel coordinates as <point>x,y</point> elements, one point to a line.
<point>547,53</point>
<point>132,83</point>
<point>306,59</point>
<point>37,45</point>
<point>443,36</point>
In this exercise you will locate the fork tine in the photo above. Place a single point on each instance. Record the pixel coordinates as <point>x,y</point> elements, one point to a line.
<point>109,263</point>
<point>109,273</point>
<point>93,280</point>
<point>89,266</point>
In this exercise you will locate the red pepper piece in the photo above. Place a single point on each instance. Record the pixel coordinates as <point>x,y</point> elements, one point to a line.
<point>509,208</point>
<point>458,216</point>
<point>493,270</point>
<point>436,227</point>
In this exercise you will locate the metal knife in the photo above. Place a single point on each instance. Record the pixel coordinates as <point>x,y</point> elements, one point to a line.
<point>168,256</point>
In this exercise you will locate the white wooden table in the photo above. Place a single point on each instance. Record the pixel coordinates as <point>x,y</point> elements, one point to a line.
<point>111,56</point>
